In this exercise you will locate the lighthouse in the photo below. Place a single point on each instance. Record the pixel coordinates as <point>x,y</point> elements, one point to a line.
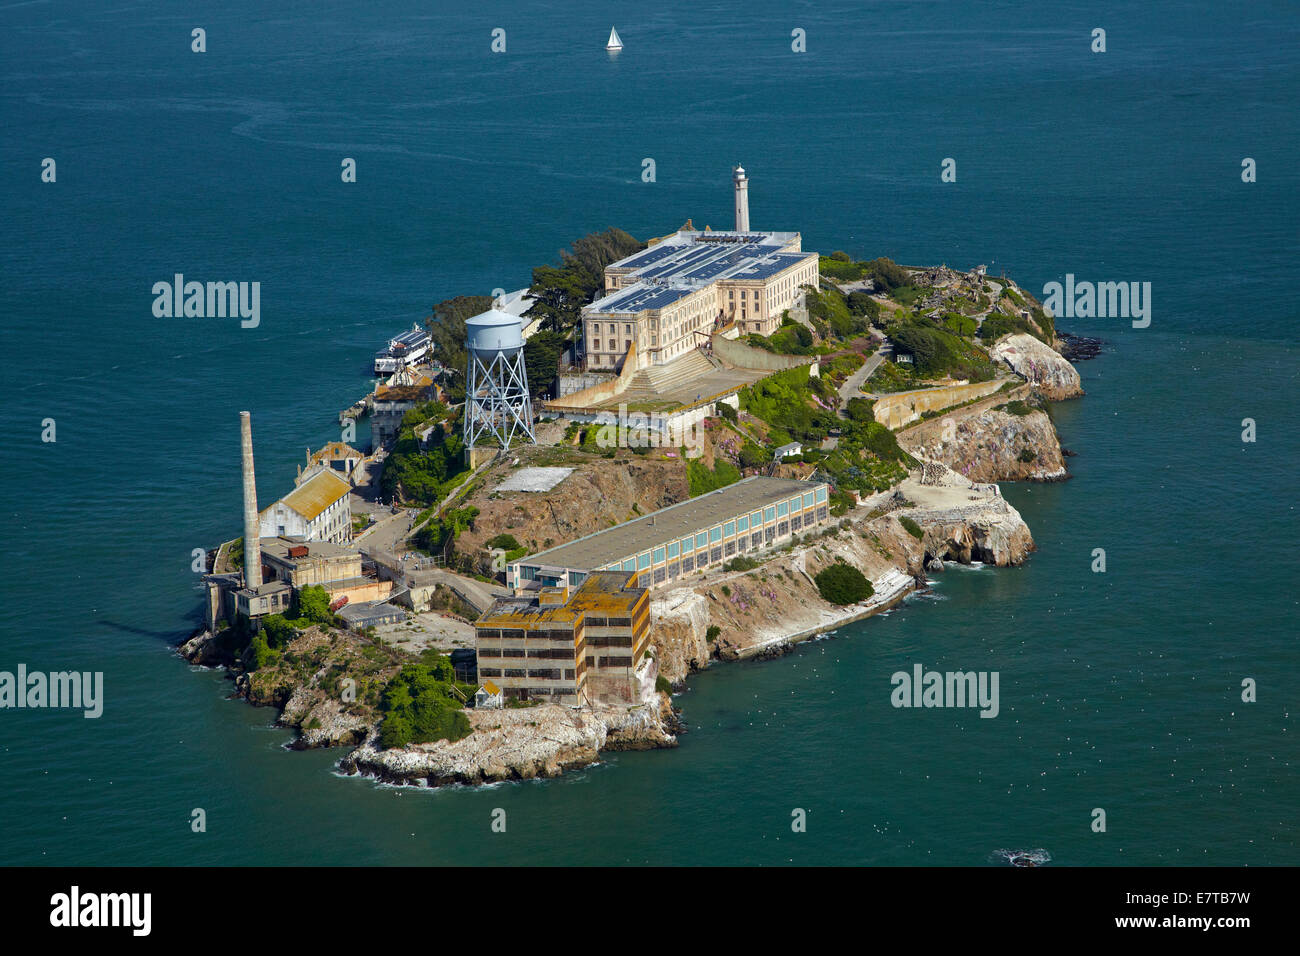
<point>742,198</point>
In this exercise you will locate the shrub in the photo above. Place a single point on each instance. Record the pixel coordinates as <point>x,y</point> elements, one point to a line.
<point>276,631</point>
<point>912,527</point>
<point>1026,455</point>
<point>741,563</point>
<point>842,583</point>
<point>261,653</point>
<point>506,542</point>
<point>860,409</point>
<point>712,633</point>
<point>841,502</point>
<point>860,303</point>
<point>314,604</point>
<point>663,685</point>
<point>1017,407</point>
<point>418,706</point>
<point>703,480</point>
<point>887,273</point>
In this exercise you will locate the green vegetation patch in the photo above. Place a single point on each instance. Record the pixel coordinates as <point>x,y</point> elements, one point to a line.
<point>842,584</point>
<point>419,706</point>
<point>703,479</point>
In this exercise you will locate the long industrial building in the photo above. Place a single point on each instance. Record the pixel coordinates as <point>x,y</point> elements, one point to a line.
<point>751,515</point>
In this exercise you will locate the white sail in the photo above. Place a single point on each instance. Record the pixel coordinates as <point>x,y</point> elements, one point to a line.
<point>614,42</point>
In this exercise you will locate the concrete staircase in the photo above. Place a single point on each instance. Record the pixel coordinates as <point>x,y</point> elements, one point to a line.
<point>661,379</point>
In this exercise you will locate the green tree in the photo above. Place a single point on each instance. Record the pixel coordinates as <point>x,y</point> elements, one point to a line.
<point>314,604</point>
<point>542,358</point>
<point>419,707</point>
<point>561,291</point>
<point>842,583</point>
<point>860,409</point>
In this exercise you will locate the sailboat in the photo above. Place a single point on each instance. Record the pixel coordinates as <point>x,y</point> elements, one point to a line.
<point>614,44</point>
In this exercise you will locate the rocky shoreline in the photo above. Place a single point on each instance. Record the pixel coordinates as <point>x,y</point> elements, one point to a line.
<point>949,509</point>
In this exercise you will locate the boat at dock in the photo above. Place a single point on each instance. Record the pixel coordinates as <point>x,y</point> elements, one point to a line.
<point>408,348</point>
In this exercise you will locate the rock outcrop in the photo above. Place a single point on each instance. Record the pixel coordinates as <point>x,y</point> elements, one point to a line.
<point>989,442</point>
<point>1042,367</point>
<point>516,744</point>
<point>965,521</point>
<point>597,495</point>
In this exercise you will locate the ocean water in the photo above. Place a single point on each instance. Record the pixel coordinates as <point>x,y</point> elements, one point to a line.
<point>1119,691</point>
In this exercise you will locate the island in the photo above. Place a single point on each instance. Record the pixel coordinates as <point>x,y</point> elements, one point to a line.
<point>731,446</point>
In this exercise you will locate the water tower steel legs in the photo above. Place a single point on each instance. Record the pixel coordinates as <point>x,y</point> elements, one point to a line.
<point>496,399</point>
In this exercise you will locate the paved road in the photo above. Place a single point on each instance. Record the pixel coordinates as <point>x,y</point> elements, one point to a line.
<point>852,387</point>
<point>388,533</point>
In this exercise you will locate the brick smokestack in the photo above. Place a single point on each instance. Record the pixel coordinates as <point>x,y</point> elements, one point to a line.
<point>252,543</point>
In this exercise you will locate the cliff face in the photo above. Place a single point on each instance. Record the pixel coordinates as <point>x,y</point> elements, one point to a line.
<point>764,610</point>
<point>964,521</point>
<point>989,443</point>
<point>517,744</point>
<point>1042,367</point>
<point>598,494</point>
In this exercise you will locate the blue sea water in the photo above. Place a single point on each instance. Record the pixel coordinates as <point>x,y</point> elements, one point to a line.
<point>1119,691</point>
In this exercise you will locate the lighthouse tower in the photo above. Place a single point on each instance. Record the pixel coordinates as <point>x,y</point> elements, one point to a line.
<point>742,198</point>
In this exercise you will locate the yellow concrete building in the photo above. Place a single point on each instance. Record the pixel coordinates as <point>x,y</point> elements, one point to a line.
<point>577,646</point>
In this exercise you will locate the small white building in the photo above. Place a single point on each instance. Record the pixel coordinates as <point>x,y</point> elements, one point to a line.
<point>488,696</point>
<point>317,510</point>
<point>789,451</point>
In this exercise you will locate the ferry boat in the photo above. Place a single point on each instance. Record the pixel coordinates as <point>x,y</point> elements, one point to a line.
<point>614,44</point>
<point>405,349</point>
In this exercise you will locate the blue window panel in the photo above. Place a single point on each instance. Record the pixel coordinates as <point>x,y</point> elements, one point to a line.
<point>659,555</point>
<point>729,528</point>
<point>769,514</point>
<point>688,545</point>
<point>702,539</point>
<point>629,564</point>
<point>808,500</point>
<point>756,519</point>
<point>715,535</point>
<point>742,524</point>
<point>643,561</point>
<point>672,550</point>
<point>821,494</point>
<point>782,509</point>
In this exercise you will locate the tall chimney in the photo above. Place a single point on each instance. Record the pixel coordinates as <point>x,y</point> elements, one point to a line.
<point>742,198</point>
<point>252,542</point>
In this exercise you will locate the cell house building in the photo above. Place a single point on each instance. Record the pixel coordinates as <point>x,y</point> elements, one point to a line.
<point>751,515</point>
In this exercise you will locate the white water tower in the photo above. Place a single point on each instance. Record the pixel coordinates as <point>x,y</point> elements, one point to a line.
<point>496,388</point>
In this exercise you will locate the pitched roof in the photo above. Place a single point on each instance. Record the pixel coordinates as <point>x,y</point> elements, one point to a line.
<point>316,494</point>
